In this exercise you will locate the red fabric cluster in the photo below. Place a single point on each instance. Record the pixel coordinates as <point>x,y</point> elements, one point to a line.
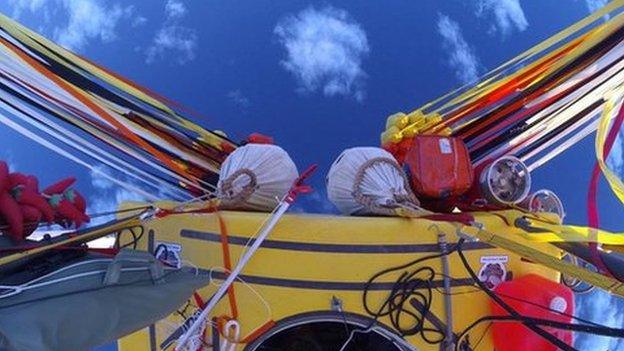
<point>23,206</point>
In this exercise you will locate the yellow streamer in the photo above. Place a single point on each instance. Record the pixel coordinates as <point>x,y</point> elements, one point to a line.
<point>609,113</point>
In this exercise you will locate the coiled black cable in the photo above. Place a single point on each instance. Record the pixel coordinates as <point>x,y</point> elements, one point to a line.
<point>136,237</point>
<point>535,328</point>
<point>413,285</point>
<point>532,323</point>
<point>417,284</point>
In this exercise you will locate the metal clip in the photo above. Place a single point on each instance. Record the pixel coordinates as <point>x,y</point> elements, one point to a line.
<point>465,236</point>
<point>336,304</point>
<point>148,214</point>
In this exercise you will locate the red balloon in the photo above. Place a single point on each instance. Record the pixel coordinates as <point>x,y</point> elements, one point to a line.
<point>10,210</point>
<point>32,183</point>
<point>69,213</point>
<point>4,176</point>
<point>79,202</point>
<point>32,217</point>
<point>22,206</point>
<point>16,179</point>
<point>31,198</point>
<point>60,186</point>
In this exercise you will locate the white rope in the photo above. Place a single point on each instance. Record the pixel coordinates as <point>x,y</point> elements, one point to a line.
<point>33,284</point>
<point>34,77</point>
<point>231,335</point>
<point>267,307</point>
<point>27,133</point>
<point>352,334</point>
<point>281,209</point>
<point>229,343</point>
<point>84,146</point>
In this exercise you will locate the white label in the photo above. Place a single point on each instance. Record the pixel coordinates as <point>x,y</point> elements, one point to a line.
<point>494,259</point>
<point>445,146</point>
<point>168,253</point>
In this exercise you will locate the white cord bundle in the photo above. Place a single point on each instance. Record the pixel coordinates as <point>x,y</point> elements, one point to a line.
<point>254,176</point>
<point>368,180</point>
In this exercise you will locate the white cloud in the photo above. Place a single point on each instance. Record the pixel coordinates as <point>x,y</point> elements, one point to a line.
<point>86,20</point>
<point>615,161</point>
<point>593,5</point>
<point>7,156</point>
<point>175,9</point>
<point>107,196</point>
<point>324,51</point>
<point>602,308</point>
<point>172,37</point>
<point>89,20</point>
<point>506,14</point>
<point>461,56</point>
<point>238,99</point>
<point>319,197</point>
<point>138,21</point>
<point>317,202</point>
<point>19,6</point>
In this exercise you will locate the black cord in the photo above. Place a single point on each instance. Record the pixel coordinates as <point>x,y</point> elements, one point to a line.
<point>182,311</point>
<point>476,345</point>
<point>541,332</point>
<point>550,309</point>
<point>410,283</point>
<point>136,237</point>
<point>477,289</point>
<point>601,330</point>
<point>588,327</point>
<point>547,308</point>
<point>408,288</point>
<point>109,213</point>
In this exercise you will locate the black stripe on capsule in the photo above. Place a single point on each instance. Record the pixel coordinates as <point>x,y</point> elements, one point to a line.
<point>337,248</point>
<point>328,285</point>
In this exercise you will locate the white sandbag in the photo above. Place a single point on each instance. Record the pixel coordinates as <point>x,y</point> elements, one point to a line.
<point>368,180</point>
<point>255,177</point>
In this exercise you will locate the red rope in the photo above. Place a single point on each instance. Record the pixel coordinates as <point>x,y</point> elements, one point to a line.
<point>593,215</point>
<point>227,263</point>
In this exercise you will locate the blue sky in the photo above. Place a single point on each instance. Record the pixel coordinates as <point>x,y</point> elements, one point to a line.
<point>318,76</point>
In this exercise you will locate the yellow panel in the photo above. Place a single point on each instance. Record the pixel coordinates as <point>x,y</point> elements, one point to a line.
<point>308,259</point>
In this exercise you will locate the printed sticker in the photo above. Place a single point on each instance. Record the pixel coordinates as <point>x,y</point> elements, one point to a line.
<point>168,253</point>
<point>445,146</point>
<point>493,270</point>
<point>494,259</point>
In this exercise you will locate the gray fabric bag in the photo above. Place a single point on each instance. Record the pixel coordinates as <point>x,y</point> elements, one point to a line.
<point>110,299</point>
